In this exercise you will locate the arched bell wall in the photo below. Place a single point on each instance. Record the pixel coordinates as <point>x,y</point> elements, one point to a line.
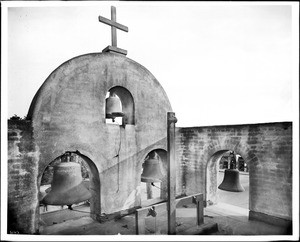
<point>68,114</point>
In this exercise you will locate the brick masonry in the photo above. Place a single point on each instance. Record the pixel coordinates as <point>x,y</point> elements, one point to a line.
<point>23,158</point>
<point>266,147</point>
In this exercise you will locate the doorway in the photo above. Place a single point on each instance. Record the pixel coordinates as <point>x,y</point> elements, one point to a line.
<point>215,171</point>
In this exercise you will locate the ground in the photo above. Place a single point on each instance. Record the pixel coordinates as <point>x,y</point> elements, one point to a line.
<point>230,215</point>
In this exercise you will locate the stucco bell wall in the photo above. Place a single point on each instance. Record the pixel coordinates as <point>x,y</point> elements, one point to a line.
<point>68,114</point>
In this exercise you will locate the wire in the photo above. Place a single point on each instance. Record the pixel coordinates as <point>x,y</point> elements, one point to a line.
<point>118,156</point>
<point>152,184</point>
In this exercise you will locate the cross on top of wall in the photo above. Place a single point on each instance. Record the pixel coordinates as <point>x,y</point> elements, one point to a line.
<point>114,26</point>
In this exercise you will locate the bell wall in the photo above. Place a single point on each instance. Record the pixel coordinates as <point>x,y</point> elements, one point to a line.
<point>68,114</point>
<point>267,148</point>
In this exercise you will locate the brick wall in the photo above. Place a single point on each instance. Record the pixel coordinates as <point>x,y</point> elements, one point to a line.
<point>266,147</point>
<point>22,179</point>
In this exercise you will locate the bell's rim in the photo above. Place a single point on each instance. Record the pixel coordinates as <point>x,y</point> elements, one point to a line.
<point>73,195</point>
<point>150,180</point>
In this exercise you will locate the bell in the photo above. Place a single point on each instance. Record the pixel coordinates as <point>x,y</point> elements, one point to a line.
<point>113,107</point>
<point>67,186</point>
<point>231,181</point>
<point>151,169</point>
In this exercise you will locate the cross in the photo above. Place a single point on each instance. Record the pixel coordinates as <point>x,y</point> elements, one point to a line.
<point>114,26</point>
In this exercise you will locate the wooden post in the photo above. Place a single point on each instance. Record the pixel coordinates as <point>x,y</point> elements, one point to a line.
<point>149,190</point>
<point>139,223</point>
<point>200,212</point>
<point>171,120</point>
<point>113,29</point>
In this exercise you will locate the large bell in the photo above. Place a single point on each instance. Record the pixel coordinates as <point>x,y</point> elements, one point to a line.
<point>67,186</point>
<point>231,181</point>
<point>113,107</point>
<point>151,169</point>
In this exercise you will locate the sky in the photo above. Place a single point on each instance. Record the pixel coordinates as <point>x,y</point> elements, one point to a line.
<point>219,63</point>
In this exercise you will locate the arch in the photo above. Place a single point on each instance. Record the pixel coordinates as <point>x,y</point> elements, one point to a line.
<point>127,101</point>
<point>162,153</point>
<point>212,177</point>
<point>98,67</point>
<point>95,201</point>
<point>95,188</point>
<point>211,171</point>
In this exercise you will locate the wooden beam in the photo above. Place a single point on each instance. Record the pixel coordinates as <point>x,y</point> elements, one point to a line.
<point>200,210</point>
<point>171,120</point>
<point>185,200</point>
<point>113,29</point>
<point>160,208</point>
<point>139,223</point>
<point>141,214</point>
<point>114,24</point>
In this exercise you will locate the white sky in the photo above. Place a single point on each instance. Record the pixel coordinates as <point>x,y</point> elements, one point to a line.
<point>218,63</point>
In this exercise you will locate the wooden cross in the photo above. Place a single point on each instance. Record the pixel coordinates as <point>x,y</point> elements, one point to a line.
<point>114,26</point>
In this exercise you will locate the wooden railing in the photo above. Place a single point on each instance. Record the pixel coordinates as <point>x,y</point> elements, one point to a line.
<point>154,210</point>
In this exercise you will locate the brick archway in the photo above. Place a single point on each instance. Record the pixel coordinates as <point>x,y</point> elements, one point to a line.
<point>211,171</point>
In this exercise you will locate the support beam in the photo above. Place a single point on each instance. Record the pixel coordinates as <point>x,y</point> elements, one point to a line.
<point>142,213</point>
<point>171,120</point>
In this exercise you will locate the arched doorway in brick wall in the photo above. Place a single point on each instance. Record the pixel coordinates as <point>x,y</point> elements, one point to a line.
<point>215,170</point>
<point>153,193</point>
<point>49,214</point>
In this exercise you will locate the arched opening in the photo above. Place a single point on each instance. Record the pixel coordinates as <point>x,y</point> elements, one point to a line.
<point>122,104</point>
<point>54,214</point>
<point>154,192</point>
<point>231,160</point>
<point>215,172</point>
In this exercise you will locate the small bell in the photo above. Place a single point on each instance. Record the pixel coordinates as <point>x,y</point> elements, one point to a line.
<point>151,169</point>
<point>113,107</point>
<point>67,186</point>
